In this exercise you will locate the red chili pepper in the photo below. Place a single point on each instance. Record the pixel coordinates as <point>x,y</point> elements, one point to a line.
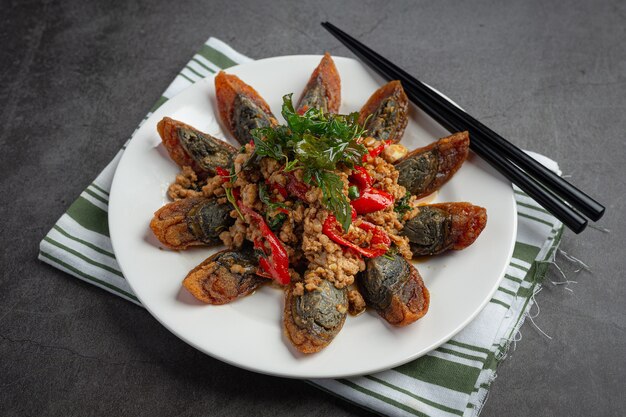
<point>361,178</point>
<point>264,265</point>
<point>379,244</point>
<point>236,193</point>
<point>296,187</point>
<point>303,110</point>
<point>282,210</point>
<point>222,172</point>
<point>371,200</point>
<point>281,190</point>
<point>275,264</point>
<point>377,150</point>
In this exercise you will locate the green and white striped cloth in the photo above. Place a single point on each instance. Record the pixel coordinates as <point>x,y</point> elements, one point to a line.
<point>452,380</point>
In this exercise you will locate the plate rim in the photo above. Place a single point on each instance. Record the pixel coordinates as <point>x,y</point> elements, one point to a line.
<point>112,202</point>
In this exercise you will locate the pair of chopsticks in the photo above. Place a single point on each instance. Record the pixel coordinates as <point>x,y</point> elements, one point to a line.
<point>543,185</point>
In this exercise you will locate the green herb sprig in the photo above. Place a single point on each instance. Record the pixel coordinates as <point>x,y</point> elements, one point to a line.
<point>391,253</point>
<point>264,196</point>
<point>317,143</point>
<point>402,204</point>
<point>277,221</point>
<point>231,199</point>
<point>274,220</point>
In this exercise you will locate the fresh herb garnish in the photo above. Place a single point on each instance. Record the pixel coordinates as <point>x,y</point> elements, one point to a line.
<point>277,221</point>
<point>291,165</point>
<point>317,143</point>
<point>274,220</point>
<point>231,199</point>
<point>332,194</point>
<point>402,204</point>
<point>264,196</point>
<point>391,253</point>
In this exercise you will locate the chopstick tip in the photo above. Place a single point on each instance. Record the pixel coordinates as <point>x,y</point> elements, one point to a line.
<point>599,213</point>
<point>578,229</point>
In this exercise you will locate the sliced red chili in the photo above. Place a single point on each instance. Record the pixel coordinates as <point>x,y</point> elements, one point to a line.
<point>281,190</point>
<point>361,178</point>
<point>377,150</point>
<point>379,244</point>
<point>275,264</point>
<point>295,187</point>
<point>371,200</point>
<point>222,172</point>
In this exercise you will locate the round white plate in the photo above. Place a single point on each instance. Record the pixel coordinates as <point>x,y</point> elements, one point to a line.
<point>248,332</point>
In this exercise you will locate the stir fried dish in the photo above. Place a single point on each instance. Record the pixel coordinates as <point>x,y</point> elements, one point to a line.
<point>325,206</point>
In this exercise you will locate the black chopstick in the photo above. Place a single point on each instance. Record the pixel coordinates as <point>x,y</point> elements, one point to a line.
<point>558,185</point>
<point>485,142</point>
<point>572,219</point>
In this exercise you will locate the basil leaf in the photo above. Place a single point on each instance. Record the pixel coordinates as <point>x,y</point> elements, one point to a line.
<point>276,222</point>
<point>318,143</point>
<point>333,198</point>
<point>402,205</point>
<point>265,198</point>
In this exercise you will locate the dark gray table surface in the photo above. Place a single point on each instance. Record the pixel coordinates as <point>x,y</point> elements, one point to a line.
<point>77,76</point>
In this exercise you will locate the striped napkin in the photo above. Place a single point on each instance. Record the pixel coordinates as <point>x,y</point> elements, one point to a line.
<point>452,380</point>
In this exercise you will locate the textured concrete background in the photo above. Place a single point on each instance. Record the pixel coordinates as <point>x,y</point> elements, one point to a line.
<point>77,76</point>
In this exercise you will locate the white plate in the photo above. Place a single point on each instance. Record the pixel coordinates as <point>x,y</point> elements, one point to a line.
<point>248,333</point>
